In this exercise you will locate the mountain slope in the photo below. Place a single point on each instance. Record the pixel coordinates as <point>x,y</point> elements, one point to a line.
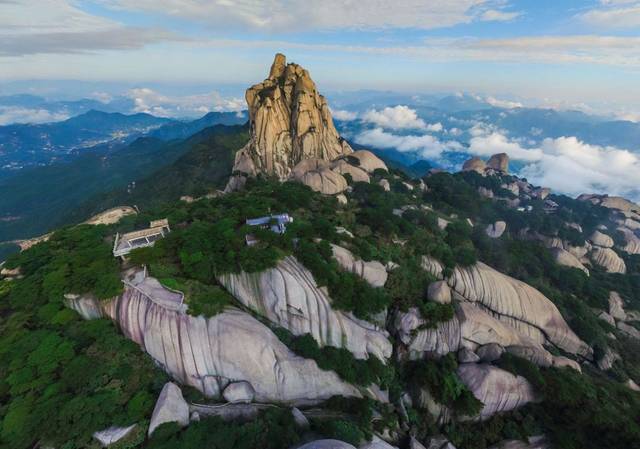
<point>39,199</point>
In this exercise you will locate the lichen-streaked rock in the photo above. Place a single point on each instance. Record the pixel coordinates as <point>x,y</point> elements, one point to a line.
<point>565,258</point>
<point>290,121</point>
<point>373,271</point>
<point>208,353</point>
<point>513,302</point>
<point>288,296</point>
<point>632,241</point>
<point>498,390</point>
<point>470,328</point>
<point>600,239</point>
<point>608,259</point>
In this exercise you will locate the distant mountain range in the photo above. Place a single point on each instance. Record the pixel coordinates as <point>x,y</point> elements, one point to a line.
<point>27,145</point>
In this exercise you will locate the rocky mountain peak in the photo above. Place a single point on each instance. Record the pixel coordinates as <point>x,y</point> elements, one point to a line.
<point>290,122</point>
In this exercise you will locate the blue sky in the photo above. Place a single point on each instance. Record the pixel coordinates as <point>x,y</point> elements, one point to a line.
<point>554,53</point>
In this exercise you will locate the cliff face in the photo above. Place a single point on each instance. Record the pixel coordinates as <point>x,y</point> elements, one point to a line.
<point>288,296</point>
<point>290,122</point>
<point>208,353</point>
<point>513,302</point>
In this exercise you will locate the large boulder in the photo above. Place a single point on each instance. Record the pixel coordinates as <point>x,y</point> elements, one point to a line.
<point>490,352</point>
<point>498,390</point>
<point>290,121</point>
<point>113,434</point>
<point>600,239</point>
<point>565,258</point>
<point>499,162</point>
<point>344,168</point>
<point>470,328</point>
<point>208,353</point>
<point>170,407</point>
<point>608,259</point>
<point>367,161</point>
<point>321,178</point>
<point>439,292</point>
<point>496,229</point>
<point>288,296</point>
<point>513,302</point>
<point>632,241</point>
<point>373,271</point>
<point>474,164</point>
<point>616,306</point>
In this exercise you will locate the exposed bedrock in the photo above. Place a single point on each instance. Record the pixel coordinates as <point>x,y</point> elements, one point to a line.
<point>512,302</point>
<point>288,296</point>
<point>499,390</point>
<point>373,271</point>
<point>209,353</point>
<point>470,328</point>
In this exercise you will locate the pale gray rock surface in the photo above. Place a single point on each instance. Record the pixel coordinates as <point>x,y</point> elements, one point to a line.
<point>299,418</point>
<point>288,296</point>
<point>565,362</point>
<point>496,229</point>
<point>628,330</point>
<point>113,434</point>
<point>170,407</point>
<point>616,306</point>
<point>536,442</point>
<point>439,292</point>
<point>513,302</point>
<point>470,328</point>
<point>565,258</point>
<point>385,185</point>
<point>438,442</point>
<point>368,161</point>
<point>498,390</point>
<point>608,259</point>
<point>239,392</point>
<point>357,174</point>
<point>600,239</point>
<point>632,241</point>
<point>208,353</point>
<point>474,164</point>
<point>608,359</point>
<point>322,180</point>
<point>373,271</point>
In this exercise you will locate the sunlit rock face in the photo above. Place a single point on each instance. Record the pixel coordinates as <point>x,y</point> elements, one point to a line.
<point>290,122</point>
<point>288,296</point>
<point>512,302</point>
<point>209,353</point>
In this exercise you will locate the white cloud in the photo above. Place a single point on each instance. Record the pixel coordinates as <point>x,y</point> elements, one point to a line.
<point>343,115</point>
<point>11,114</point>
<point>567,164</point>
<point>102,97</point>
<point>152,102</point>
<point>295,15</point>
<point>503,103</point>
<point>498,16</point>
<point>486,144</point>
<point>613,14</point>
<point>399,117</point>
<point>425,146</point>
<point>58,26</point>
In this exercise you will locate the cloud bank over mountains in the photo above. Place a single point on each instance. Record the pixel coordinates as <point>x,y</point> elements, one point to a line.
<point>566,164</point>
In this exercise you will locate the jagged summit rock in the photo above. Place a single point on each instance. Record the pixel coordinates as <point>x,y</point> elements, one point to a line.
<point>290,122</point>
<point>496,163</point>
<point>499,162</point>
